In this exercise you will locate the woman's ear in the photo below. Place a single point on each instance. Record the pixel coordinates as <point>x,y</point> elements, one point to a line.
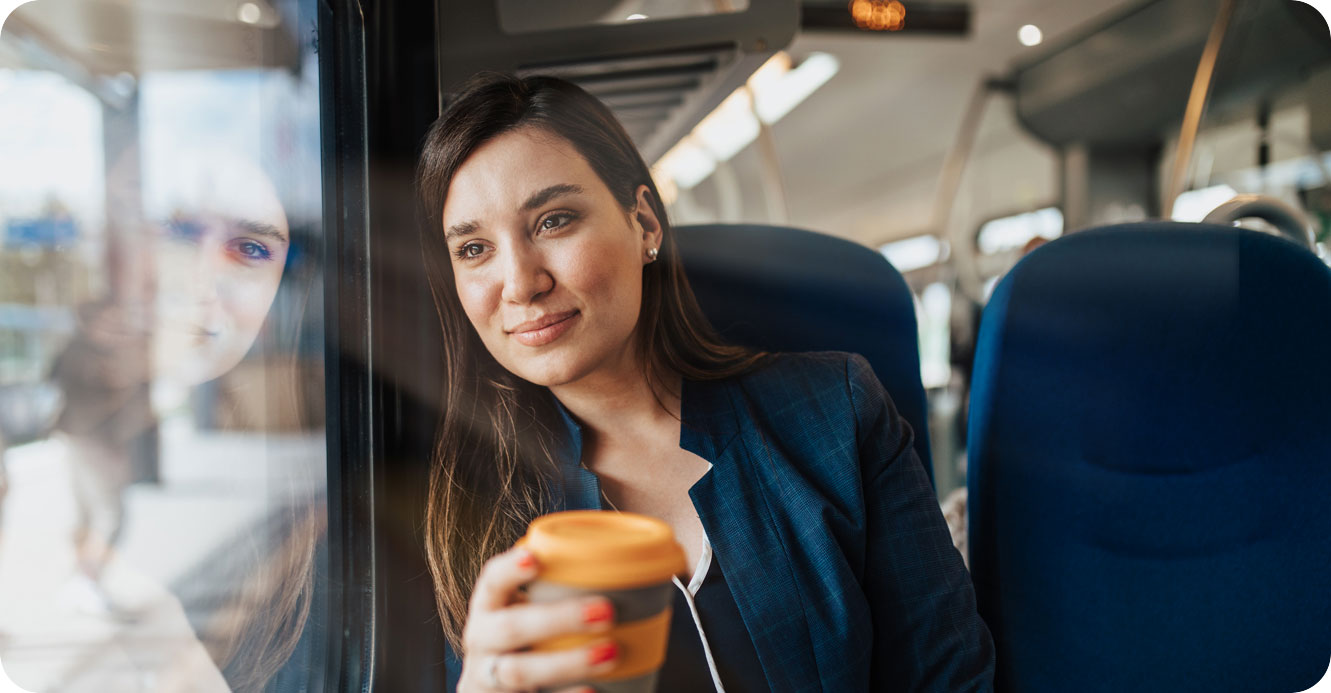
<point>644,213</point>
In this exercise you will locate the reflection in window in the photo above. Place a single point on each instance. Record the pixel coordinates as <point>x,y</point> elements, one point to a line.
<point>161,403</point>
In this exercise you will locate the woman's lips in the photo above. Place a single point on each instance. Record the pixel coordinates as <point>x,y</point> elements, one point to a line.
<point>542,331</point>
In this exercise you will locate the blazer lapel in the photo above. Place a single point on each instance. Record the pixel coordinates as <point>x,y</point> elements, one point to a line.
<point>577,488</point>
<point>735,501</point>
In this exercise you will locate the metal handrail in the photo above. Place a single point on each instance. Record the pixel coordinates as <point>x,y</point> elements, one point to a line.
<point>1291,222</point>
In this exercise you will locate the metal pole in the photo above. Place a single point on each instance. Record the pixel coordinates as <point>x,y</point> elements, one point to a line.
<point>949,183</point>
<point>774,184</point>
<point>1192,117</point>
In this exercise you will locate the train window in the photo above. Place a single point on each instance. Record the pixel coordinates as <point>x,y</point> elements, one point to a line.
<point>1014,232</point>
<point>933,312</point>
<point>1194,205</point>
<point>524,16</point>
<point>915,253</point>
<point>162,453</point>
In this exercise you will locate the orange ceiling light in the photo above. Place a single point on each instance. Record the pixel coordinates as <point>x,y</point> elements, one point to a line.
<point>878,15</point>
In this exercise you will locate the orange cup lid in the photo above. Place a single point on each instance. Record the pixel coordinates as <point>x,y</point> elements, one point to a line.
<point>600,549</point>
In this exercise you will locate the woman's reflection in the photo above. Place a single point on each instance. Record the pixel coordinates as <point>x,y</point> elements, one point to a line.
<point>217,258</point>
<point>220,252</point>
<point>215,251</point>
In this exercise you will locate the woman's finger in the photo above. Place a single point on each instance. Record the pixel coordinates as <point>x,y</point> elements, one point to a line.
<point>527,670</point>
<point>500,578</point>
<point>518,626</point>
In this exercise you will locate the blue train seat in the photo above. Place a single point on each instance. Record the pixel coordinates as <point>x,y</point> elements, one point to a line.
<point>1150,463</point>
<point>784,289</point>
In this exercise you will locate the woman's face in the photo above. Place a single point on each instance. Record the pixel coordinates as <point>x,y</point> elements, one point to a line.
<point>218,262</point>
<point>548,265</point>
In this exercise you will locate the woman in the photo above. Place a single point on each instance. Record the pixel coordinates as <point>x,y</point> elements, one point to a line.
<point>229,278</point>
<point>580,373</point>
<point>218,255</point>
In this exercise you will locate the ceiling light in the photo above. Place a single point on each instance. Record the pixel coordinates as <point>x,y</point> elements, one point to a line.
<point>878,15</point>
<point>768,77</point>
<point>1030,35</point>
<point>665,187</point>
<point>773,99</point>
<point>635,17</point>
<point>772,91</point>
<point>687,163</point>
<point>249,13</point>
<point>730,128</point>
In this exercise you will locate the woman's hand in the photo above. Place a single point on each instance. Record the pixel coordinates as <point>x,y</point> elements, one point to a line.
<point>500,627</point>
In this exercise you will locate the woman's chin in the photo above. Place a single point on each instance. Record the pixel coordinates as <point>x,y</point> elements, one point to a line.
<point>193,367</point>
<point>549,373</point>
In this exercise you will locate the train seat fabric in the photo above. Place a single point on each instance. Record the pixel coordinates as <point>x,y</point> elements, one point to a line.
<point>1150,463</point>
<point>784,289</point>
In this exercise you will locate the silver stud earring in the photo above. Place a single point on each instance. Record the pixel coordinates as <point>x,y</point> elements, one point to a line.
<point>652,253</point>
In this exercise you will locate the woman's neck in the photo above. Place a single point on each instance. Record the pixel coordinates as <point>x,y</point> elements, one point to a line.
<point>617,411</point>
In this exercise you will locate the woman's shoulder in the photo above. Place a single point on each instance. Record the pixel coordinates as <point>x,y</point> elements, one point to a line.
<point>817,369</point>
<point>804,383</point>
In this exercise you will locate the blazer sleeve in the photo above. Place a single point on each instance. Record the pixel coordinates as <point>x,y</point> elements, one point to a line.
<point>928,635</point>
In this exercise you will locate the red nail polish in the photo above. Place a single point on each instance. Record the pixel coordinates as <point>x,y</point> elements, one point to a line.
<point>598,612</point>
<point>603,653</point>
<point>526,561</point>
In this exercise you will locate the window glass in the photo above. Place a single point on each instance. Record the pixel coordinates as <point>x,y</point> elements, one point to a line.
<point>933,311</point>
<point>162,454</point>
<point>1017,231</point>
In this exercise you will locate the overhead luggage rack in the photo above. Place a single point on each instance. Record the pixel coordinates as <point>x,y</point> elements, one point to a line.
<point>1127,81</point>
<point>659,77</point>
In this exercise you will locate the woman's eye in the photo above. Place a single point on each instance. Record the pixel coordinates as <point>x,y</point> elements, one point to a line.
<point>183,229</point>
<point>470,250</point>
<point>555,221</point>
<point>251,250</point>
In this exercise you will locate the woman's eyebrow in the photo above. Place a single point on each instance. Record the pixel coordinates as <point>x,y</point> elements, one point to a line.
<point>537,200</point>
<point>259,228</point>
<point>458,230</point>
<point>543,196</point>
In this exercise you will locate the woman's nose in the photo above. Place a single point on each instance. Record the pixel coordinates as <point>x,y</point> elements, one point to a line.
<point>207,271</point>
<point>525,276</point>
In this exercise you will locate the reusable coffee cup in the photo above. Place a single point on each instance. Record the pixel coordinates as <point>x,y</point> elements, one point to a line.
<point>628,558</point>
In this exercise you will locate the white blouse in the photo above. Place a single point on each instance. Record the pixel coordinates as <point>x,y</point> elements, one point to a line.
<point>700,574</point>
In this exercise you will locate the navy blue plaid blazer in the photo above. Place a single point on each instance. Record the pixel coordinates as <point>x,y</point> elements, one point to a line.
<point>835,549</point>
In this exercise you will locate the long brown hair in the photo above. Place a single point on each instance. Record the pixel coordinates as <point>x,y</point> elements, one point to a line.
<point>495,463</point>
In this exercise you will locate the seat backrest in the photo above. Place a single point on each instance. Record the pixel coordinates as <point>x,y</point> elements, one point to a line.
<point>1150,462</point>
<point>784,289</point>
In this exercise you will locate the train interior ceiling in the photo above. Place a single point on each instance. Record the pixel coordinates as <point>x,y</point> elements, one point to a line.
<point>952,137</point>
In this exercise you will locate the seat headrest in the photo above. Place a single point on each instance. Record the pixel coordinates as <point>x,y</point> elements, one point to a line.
<point>785,289</point>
